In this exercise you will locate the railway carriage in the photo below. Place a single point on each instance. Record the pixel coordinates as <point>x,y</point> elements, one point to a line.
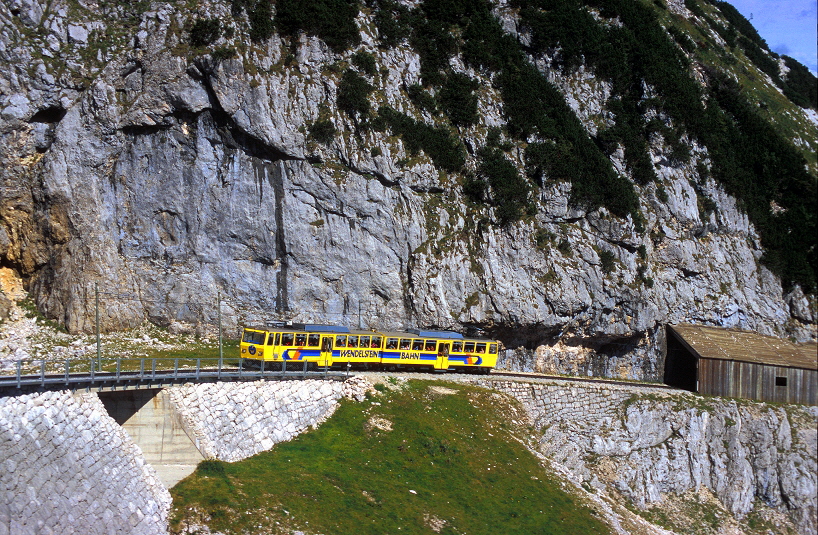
<point>331,345</point>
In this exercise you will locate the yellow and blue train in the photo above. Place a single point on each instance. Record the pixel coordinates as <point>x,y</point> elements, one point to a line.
<point>332,345</point>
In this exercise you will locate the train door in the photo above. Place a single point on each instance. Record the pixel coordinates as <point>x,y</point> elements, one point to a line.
<point>442,362</point>
<point>326,352</point>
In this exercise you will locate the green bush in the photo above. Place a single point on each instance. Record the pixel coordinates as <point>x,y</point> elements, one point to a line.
<point>741,23</point>
<point>509,191</point>
<point>365,62</point>
<point>392,21</point>
<point>421,98</point>
<point>261,21</point>
<point>801,86</point>
<point>223,53</point>
<point>445,150</point>
<point>205,31</point>
<point>332,21</point>
<point>607,261</point>
<point>322,131</point>
<point>458,101</point>
<point>353,94</point>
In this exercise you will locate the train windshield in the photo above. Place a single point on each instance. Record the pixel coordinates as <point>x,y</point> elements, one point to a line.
<point>254,337</point>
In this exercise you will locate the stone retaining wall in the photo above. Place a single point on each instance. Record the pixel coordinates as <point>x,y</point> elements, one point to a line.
<point>67,467</point>
<point>233,421</point>
<point>648,444</point>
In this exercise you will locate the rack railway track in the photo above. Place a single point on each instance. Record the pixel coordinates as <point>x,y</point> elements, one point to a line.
<point>149,376</point>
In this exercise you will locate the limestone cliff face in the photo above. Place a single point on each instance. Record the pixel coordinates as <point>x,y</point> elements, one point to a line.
<point>168,177</point>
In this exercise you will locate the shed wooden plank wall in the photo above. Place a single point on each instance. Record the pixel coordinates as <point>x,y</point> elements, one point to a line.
<point>757,381</point>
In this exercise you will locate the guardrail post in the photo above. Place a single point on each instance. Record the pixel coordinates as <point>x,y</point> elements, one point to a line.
<point>241,363</point>
<point>42,373</point>
<point>219,370</point>
<point>175,368</point>
<point>67,374</point>
<point>261,367</point>
<point>19,368</point>
<point>118,367</point>
<point>141,369</point>
<point>153,369</point>
<point>304,370</point>
<point>198,365</point>
<point>283,367</point>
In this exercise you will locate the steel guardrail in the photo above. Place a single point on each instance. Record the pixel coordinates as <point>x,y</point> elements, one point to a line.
<point>87,373</point>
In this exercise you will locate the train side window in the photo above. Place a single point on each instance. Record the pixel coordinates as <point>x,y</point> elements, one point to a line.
<point>391,343</point>
<point>417,345</point>
<point>341,341</point>
<point>287,339</point>
<point>352,341</point>
<point>300,339</point>
<point>364,341</point>
<point>457,347</point>
<point>376,342</point>
<point>313,340</point>
<point>431,345</point>
<point>469,348</point>
<point>271,339</point>
<point>493,348</point>
<point>481,348</point>
<point>278,338</point>
<point>252,337</point>
<point>405,344</point>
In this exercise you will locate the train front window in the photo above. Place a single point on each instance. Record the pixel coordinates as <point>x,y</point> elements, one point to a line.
<point>469,347</point>
<point>254,337</point>
<point>457,347</point>
<point>313,340</point>
<point>300,339</point>
<point>376,342</point>
<point>287,339</point>
<point>493,348</point>
<point>352,341</point>
<point>417,345</point>
<point>272,339</point>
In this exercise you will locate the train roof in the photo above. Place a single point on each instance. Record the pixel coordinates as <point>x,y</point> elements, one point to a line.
<point>410,334</point>
<point>339,329</point>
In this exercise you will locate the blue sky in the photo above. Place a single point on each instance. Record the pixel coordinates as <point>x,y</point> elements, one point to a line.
<point>788,26</point>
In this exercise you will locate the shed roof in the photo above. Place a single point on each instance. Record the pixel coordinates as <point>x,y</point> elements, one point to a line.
<point>747,346</point>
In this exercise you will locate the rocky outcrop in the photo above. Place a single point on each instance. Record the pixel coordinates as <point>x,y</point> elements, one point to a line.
<point>67,467</point>
<point>653,447</point>
<point>168,177</point>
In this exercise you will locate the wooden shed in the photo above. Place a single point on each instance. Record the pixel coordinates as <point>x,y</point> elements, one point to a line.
<point>741,364</point>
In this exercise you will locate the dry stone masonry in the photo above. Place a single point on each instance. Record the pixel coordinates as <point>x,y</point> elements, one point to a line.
<point>649,444</point>
<point>232,421</point>
<point>67,467</point>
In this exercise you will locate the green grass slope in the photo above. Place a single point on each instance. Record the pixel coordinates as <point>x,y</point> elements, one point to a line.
<point>427,457</point>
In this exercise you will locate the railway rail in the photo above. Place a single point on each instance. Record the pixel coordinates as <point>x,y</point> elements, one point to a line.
<point>132,373</point>
<point>144,373</point>
<point>525,375</point>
